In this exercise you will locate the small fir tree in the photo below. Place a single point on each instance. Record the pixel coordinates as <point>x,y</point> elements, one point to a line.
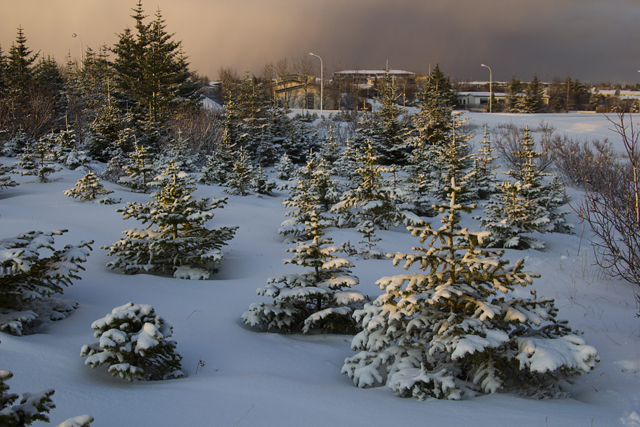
<point>260,183</point>
<point>484,177</point>
<point>368,230</point>
<point>180,244</point>
<point>89,188</point>
<point>371,200</point>
<point>239,181</point>
<point>5,180</point>
<point>32,271</point>
<point>219,164</point>
<point>526,205</point>
<point>453,329</point>
<point>285,168</point>
<point>134,342</point>
<point>320,298</point>
<point>140,171</point>
<point>32,407</point>
<point>314,191</point>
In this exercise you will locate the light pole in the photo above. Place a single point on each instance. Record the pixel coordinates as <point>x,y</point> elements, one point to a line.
<point>321,81</point>
<point>74,35</point>
<point>490,81</point>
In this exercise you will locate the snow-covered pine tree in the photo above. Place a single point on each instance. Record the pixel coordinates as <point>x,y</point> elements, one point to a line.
<point>452,160</point>
<point>32,407</point>
<point>484,177</point>
<point>314,191</point>
<point>318,299</point>
<point>180,244</point>
<point>140,171</point>
<point>134,342</point>
<point>526,205</point>
<point>219,164</point>
<point>178,153</point>
<point>392,147</point>
<point>65,149</point>
<point>346,163</point>
<point>330,150</point>
<point>88,188</point>
<point>33,270</point>
<point>260,182</point>
<point>285,168</point>
<point>371,200</point>
<point>5,180</point>
<point>368,230</point>
<point>452,329</point>
<point>239,180</point>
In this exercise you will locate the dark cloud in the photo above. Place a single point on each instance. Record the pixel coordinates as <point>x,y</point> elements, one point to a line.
<point>589,39</point>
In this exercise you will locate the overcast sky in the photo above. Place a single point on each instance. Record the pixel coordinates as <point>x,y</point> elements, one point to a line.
<point>593,40</point>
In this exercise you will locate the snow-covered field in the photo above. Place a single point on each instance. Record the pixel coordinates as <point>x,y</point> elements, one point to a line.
<point>267,379</point>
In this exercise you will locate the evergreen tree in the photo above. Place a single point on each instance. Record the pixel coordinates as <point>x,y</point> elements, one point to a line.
<point>434,120</point>
<point>32,407</point>
<point>368,230</point>
<point>180,244</point>
<point>140,171</point>
<point>260,183</point>
<point>452,330</point>
<point>104,130</point>
<point>533,100</point>
<point>33,270</point>
<point>152,75</point>
<point>285,168</point>
<point>451,160</point>
<point>391,146</point>
<point>5,180</point>
<point>20,73</point>
<point>239,181</point>
<point>219,164</point>
<point>320,298</point>
<point>371,200</point>
<point>514,96</point>
<point>134,342</point>
<point>483,180</point>
<point>87,188</point>
<point>314,192</point>
<point>526,205</point>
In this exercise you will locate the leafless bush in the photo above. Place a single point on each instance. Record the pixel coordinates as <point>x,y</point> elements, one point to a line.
<point>201,128</point>
<point>507,144</point>
<point>583,163</point>
<point>611,207</point>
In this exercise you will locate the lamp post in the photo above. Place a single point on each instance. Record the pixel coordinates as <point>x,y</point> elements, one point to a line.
<point>321,81</point>
<point>74,35</point>
<point>490,81</point>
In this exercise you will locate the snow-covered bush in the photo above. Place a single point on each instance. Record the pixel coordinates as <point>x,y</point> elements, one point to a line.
<point>134,342</point>
<point>180,244</point>
<point>318,299</point>
<point>32,407</point>
<point>32,271</point>
<point>451,329</point>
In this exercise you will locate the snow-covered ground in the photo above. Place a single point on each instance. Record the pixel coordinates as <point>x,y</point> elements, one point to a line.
<point>266,379</point>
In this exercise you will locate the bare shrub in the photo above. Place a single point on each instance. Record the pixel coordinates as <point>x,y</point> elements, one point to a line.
<point>201,129</point>
<point>611,206</point>
<point>583,163</point>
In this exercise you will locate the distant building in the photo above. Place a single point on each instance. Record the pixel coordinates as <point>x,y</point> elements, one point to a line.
<point>300,92</point>
<point>369,77</point>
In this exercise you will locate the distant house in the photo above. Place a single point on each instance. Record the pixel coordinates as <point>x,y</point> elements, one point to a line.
<point>478,100</point>
<point>369,77</point>
<point>300,92</point>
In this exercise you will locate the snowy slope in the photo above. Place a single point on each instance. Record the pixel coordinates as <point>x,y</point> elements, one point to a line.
<point>264,379</point>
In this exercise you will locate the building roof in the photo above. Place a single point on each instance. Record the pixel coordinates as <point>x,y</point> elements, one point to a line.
<point>382,72</point>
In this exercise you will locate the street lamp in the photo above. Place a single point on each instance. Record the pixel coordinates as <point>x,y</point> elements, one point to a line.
<point>321,81</point>
<point>74,35</point>
<point>490,81</point>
